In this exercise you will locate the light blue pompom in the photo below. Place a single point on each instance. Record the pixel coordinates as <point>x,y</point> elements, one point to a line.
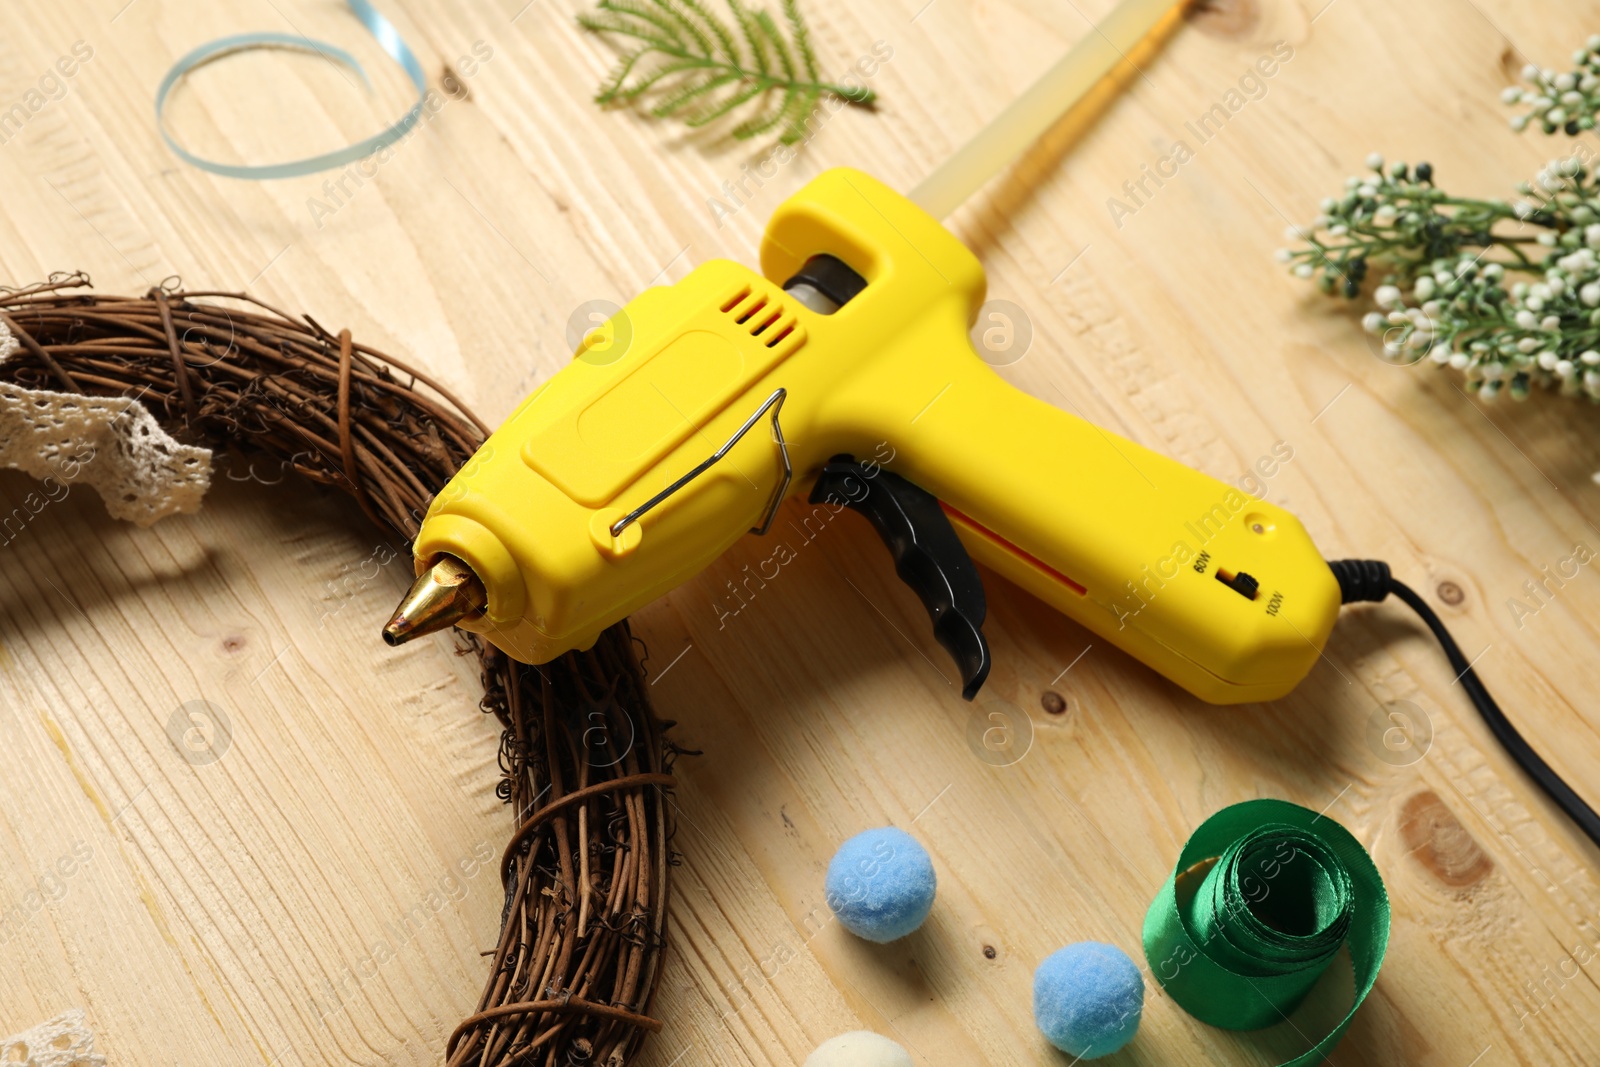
<point>880,884</point>
<point>1087,999</point>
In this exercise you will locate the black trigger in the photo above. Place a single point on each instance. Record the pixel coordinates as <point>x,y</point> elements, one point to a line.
<point>928,556</point>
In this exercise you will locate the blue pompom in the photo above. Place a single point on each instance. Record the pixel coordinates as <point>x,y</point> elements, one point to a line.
<point>880,884</point>
<point>1087,999</point>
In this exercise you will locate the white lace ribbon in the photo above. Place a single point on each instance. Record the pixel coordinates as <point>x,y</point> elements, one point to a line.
<point>111,444</point>
<point>65,1041</point>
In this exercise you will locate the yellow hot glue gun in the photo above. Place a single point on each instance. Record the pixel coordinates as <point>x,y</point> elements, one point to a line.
<point>844,370</point>
<point>628,473</point>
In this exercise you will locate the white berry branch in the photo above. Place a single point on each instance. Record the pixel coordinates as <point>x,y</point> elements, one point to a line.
<point>1508,292</point>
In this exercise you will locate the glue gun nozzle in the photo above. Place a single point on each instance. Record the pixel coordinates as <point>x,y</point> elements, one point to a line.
<point>447,593</point>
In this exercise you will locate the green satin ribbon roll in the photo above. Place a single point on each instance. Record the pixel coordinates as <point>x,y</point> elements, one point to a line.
<point>1243,948</point>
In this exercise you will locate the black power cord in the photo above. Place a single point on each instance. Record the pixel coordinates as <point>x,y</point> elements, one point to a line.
<point>1369,580</point>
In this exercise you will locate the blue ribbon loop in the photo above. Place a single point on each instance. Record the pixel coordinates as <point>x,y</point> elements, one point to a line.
<point>383,32</point>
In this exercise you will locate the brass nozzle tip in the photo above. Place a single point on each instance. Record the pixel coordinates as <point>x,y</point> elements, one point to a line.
<point>447,593</point>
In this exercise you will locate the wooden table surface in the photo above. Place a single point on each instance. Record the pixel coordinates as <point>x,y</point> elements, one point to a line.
<point>315,893</point>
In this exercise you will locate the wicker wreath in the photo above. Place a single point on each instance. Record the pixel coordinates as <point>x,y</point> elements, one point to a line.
<point>585,765</point>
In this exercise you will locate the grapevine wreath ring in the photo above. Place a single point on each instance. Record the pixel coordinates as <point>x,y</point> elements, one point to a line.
<point>579,956</point>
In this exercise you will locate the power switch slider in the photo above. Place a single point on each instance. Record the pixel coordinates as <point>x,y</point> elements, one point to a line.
<point>1240,583</point>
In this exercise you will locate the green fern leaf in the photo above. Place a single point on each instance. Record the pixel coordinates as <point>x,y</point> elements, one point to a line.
<point>763,122</point>
<point>752,36</point>
<point>716,109</point>
<point>623,10</point>
<point>774,40</point>
<point>802,39</point>
<point>718,29</point>
<point>619,74</point>
<point>798,116</point>
<point>675,10</point>
<point>645,82</point>
<point>688,92</point>
<point>696,67</point>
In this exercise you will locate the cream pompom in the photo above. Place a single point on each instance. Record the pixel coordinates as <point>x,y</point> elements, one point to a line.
<point>859,1048</point>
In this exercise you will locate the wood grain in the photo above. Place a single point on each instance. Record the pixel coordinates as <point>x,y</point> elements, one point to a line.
<point>316,893</point>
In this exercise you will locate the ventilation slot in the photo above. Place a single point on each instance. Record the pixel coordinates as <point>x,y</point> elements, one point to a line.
<point>767,316</point>
<point>777,313</point>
